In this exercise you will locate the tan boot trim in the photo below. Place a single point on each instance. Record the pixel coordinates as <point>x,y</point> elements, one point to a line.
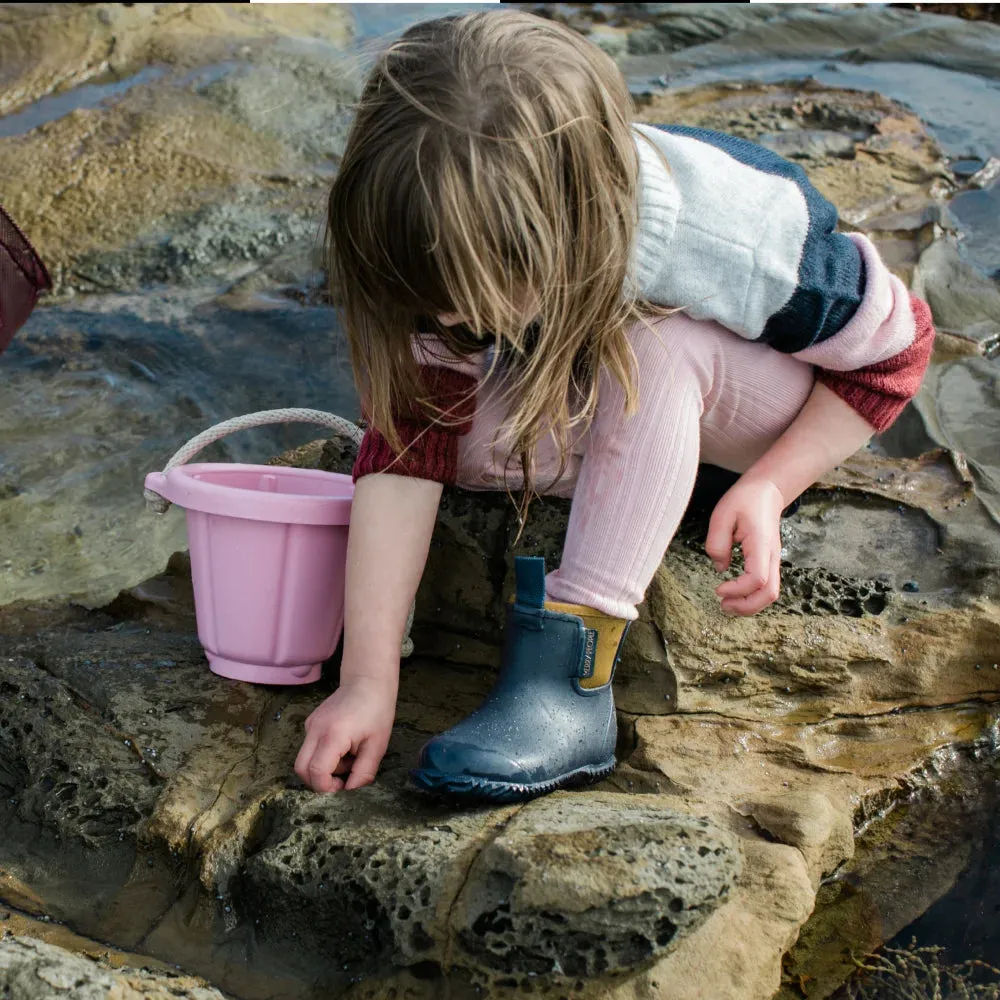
<point>609,636</point>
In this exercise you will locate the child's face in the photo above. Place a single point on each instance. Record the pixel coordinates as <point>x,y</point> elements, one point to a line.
<point>527,303</point>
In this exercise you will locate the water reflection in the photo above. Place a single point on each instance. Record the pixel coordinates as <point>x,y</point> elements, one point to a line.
<point>94,396</point>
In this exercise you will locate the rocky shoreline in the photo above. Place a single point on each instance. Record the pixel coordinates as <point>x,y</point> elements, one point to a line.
<point>793,789</point>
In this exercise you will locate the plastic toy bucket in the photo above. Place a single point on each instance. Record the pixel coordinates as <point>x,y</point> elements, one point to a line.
<point>268,554</point>
<point>268,551</point>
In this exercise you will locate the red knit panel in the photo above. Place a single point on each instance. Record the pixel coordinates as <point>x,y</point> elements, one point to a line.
<point>879,392</point>
<point>430,447</point>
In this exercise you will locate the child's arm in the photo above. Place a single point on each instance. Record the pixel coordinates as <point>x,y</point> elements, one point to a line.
<point>825,432</point>
<point>392,519</point>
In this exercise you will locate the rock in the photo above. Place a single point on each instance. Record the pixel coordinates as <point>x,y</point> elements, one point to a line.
<point>809,144</point>
<point>863,34</point>
<point>611,40</point>
<point>565,886</point>
<point>808,821</point>
<point>986,176</point>
<point>62,766</point>
<point>72,43</point>
<point>589,886</point>
<point>191,170</point>
<point>962,299</point>
<point>30,968</point>
<point>679,26</point>
<point>764,742</point>
<point>958,402</point>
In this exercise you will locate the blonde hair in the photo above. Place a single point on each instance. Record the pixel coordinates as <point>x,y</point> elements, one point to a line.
<point>491,160</point>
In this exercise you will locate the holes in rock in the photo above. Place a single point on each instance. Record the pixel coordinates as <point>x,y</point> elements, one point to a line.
<point>676,905</point>
<point>821,592</point>
<point>420,940</point>
<point>403,913</point>
<point>425,970</point>
<point>66,793</point>
<point>493,921</point>
<point>665,931</point>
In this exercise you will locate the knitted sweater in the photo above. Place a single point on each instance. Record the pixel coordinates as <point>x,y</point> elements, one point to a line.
<point>730,232</point>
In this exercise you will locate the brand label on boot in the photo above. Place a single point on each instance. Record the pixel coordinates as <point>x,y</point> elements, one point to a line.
<point>589,652</point>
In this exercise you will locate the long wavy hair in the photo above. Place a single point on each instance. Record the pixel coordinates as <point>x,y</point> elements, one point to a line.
<point>491,162</point>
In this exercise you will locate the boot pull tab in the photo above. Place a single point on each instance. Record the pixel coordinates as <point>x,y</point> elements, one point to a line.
<point>529,578</point>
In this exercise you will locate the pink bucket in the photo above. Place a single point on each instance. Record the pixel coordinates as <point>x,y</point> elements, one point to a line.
<point>268,553</point>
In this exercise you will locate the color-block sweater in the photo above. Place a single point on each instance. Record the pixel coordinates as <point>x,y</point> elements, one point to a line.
<point>728,231</point>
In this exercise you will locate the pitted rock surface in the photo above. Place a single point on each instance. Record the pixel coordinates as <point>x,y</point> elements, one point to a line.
<point>586,886</point>
<point>36,970</point>
<point>62,766</point>
<point>372,874</point>
<point>566,886</point>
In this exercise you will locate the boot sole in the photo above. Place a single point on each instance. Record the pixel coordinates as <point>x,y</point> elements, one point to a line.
<point>469,786</point>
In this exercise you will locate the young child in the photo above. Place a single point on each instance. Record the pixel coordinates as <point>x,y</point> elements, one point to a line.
<point>540,294</point>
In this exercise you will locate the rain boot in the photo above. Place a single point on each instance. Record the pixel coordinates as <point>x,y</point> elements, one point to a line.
<point>549,721</point>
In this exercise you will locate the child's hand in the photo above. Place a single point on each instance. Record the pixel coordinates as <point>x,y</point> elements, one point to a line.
<point>346,736</point>
<point>748,515</point>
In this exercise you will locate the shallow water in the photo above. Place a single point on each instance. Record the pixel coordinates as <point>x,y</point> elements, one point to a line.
<point>97,394</point>
<point>88,95</point>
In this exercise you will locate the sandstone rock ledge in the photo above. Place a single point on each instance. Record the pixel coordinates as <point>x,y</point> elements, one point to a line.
<point>152,805</point>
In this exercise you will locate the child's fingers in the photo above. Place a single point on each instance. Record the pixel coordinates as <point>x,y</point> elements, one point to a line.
<point>760,598</point>
<point>305,755</point>
<point>719,541</point>
<point>326,759</point>
<point>366,764</point>
<point>757,557</point>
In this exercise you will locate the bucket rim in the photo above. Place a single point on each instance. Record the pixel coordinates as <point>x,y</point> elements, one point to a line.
<point>182,487</point>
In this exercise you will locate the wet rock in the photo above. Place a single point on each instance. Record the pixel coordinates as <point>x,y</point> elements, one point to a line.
<point>565,886</point>
<point>805,144</point>
<point>958,403</point>
<point>987,175</point>
<point>191,170</point>
<point>210,241</point>
<point>679,26</point>
<point>62,766</point>
<point>766,739</point>
<point>962,299</point>
<point>31,968</point>
<point>859,35</point>
<point>590,886</point>
<point>56,46</point>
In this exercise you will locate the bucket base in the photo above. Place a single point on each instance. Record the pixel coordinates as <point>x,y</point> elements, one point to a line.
<point>254,673</point>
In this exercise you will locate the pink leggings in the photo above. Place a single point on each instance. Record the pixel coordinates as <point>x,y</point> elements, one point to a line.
<point>705,395</point>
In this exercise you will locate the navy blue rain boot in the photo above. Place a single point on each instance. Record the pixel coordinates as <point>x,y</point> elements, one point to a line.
<point>549,721</point>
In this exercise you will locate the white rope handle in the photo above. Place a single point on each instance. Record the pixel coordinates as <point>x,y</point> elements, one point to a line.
<point>294,414</point>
